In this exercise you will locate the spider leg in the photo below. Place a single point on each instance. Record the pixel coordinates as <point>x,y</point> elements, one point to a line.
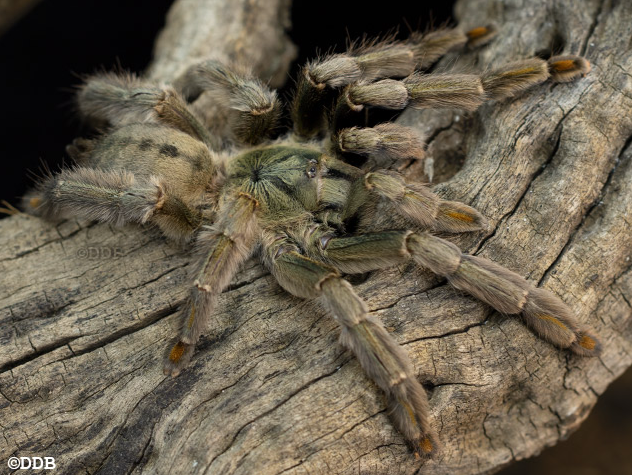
<point>431,46</point>
<point>383,200</point>
<point>502,289</point>
<point>367,63</point>
<point>449,90</point>
<point>381,357</point>
<point>384,143</point>
<point>112,196</point>
<point>362,72</point>
<point>221,248</point>
<point>124,99</point>
<point>254,108</point>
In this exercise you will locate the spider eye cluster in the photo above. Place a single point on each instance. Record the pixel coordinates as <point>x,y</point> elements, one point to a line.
<point>312,168</point>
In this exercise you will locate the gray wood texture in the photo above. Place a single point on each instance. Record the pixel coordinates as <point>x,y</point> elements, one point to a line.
<point>87,311</point>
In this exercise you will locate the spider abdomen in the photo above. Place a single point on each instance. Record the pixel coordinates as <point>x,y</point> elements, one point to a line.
<point>184,164</point>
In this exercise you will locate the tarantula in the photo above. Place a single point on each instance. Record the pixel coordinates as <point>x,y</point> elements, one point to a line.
<point>297,201</point>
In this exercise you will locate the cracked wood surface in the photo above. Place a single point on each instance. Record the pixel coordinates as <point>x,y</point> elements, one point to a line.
<point>86,311</point>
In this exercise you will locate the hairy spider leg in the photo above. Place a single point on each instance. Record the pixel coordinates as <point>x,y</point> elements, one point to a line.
<point>382,198</point>
<point>449,90</point>
<point>111,196</point>
<point>121,99</point>
<point>254,108</point>
<point>502,289</point>
<point>221,248</point>
<point>383,144</point>
<point>379,354</point>
<point>364,63</point>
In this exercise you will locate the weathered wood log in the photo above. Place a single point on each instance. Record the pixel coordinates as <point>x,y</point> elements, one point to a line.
<point>87,311</point>
<point>248,32</point>
<point>12,10</point>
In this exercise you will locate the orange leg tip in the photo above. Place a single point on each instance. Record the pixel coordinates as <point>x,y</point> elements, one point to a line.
<point>567,68</point>
<point>35,202</point>
<point>176,352</point>
<point>426,445</point>
<point>481,35</point>
<point>477,32</point>
<point>587,342</point>
<point>564,65</point>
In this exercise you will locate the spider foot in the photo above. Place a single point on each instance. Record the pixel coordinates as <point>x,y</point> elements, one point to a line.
<point>550,318</point>
<point>586,344</point>
<point>178,358</point>
<point>409,411</point>
<point>424,447</point>
<point>568,67</point>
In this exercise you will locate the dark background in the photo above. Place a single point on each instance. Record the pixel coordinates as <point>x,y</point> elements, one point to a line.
<point>44,55</point>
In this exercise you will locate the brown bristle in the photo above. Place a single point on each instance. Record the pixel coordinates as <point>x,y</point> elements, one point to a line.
<point>520,72</point>
<point>552,320</point>
<point>460,216</point>
<point>512,78</point>
<point>410,412</point>
<point>191,317</point>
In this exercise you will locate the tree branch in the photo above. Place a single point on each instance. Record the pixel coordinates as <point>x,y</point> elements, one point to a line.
<point>12,10</point>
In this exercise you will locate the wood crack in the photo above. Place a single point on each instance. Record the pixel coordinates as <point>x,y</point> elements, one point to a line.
<point>587,214</point>
<point>269,411</point>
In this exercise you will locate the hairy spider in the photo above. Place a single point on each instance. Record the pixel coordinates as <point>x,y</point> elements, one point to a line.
<point>297,201</point>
